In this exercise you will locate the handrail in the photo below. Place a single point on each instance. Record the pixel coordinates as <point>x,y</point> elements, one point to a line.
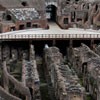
<point>49,36</point>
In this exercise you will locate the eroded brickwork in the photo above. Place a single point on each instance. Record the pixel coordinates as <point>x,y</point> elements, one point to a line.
<point>64,80</point>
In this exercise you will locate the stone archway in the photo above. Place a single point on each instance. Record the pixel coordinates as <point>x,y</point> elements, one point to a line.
<point>51,11</point>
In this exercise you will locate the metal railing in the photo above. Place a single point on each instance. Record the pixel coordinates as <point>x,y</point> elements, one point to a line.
<point>49,36</point>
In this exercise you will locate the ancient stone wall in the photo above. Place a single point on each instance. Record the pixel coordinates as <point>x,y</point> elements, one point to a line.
<point>64,80</point>
<point>4,95</point>
<point>30,76</point>
<point>86,63</point>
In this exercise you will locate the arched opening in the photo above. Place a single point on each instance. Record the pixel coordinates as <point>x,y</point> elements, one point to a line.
<point>76,0</point>
<point>8,17</point>
<point>92,20</point>
<point>73,16</point>
<point>88,6</point>
<point>51,11</point>
<point>28,24</point>
<point>12,28</point>
<point>86,18</point>
<point>84,68</point>
<point>96,7</point>
<point>21,27</point>
<point>24,3</point>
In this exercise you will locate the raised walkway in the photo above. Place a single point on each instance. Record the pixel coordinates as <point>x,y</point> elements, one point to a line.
<point>53,33</point>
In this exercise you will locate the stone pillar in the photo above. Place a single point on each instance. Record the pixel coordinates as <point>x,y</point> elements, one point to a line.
<point>30,43</point>
<point>5,79</point>
<point>69,50</point>
<point>92,44</point>
<point>23,72</point>
<point>6,53</point>
<point>70,43</point>
<point>54,42</point>
<point>32,53</point>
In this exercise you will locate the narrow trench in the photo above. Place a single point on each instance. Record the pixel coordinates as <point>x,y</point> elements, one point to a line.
<point>45,89</point>
<point>31,92</point>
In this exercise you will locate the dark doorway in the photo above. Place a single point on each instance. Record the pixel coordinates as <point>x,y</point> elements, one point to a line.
<point>86,17</point>
<point>8,17</point>
<point>96,7</point>
<point>12,28</point>
<point>28,24</point>
<point>24,3</point>
<point>35,25</point>
<point>51,11</point>
<point>79,19</point>
<point>31,92</point>
<point>21,27</point>
<point>72,16</point>
<point>65,20</point>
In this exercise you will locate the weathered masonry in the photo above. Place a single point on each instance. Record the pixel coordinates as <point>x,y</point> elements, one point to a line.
<point>86,63</point>
<point>64,80</point>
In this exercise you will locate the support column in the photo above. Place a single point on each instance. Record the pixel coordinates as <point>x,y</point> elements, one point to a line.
<point>92,46</point>
<point>69,50</point>
<point>5,78</point>
<point>54,42</point>
<point>70,43</point>
<point>30,41</point>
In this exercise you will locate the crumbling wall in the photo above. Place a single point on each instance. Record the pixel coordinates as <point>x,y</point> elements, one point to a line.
<point>4,95</point>
<point>18,85</point>
<point>86,63</point>
<point>30,76</point>
<point>64,80</point>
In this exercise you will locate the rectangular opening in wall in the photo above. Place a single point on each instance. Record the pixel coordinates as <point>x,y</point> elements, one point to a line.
<point>12,28</point>
<point>72,16</point>
<point>21,27</point>
<point>28,24</point>
<point>35,25</point>
<point>86,17</point>
<point>79,19</point>
<point>65,20</point>
<point>98,27</point>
